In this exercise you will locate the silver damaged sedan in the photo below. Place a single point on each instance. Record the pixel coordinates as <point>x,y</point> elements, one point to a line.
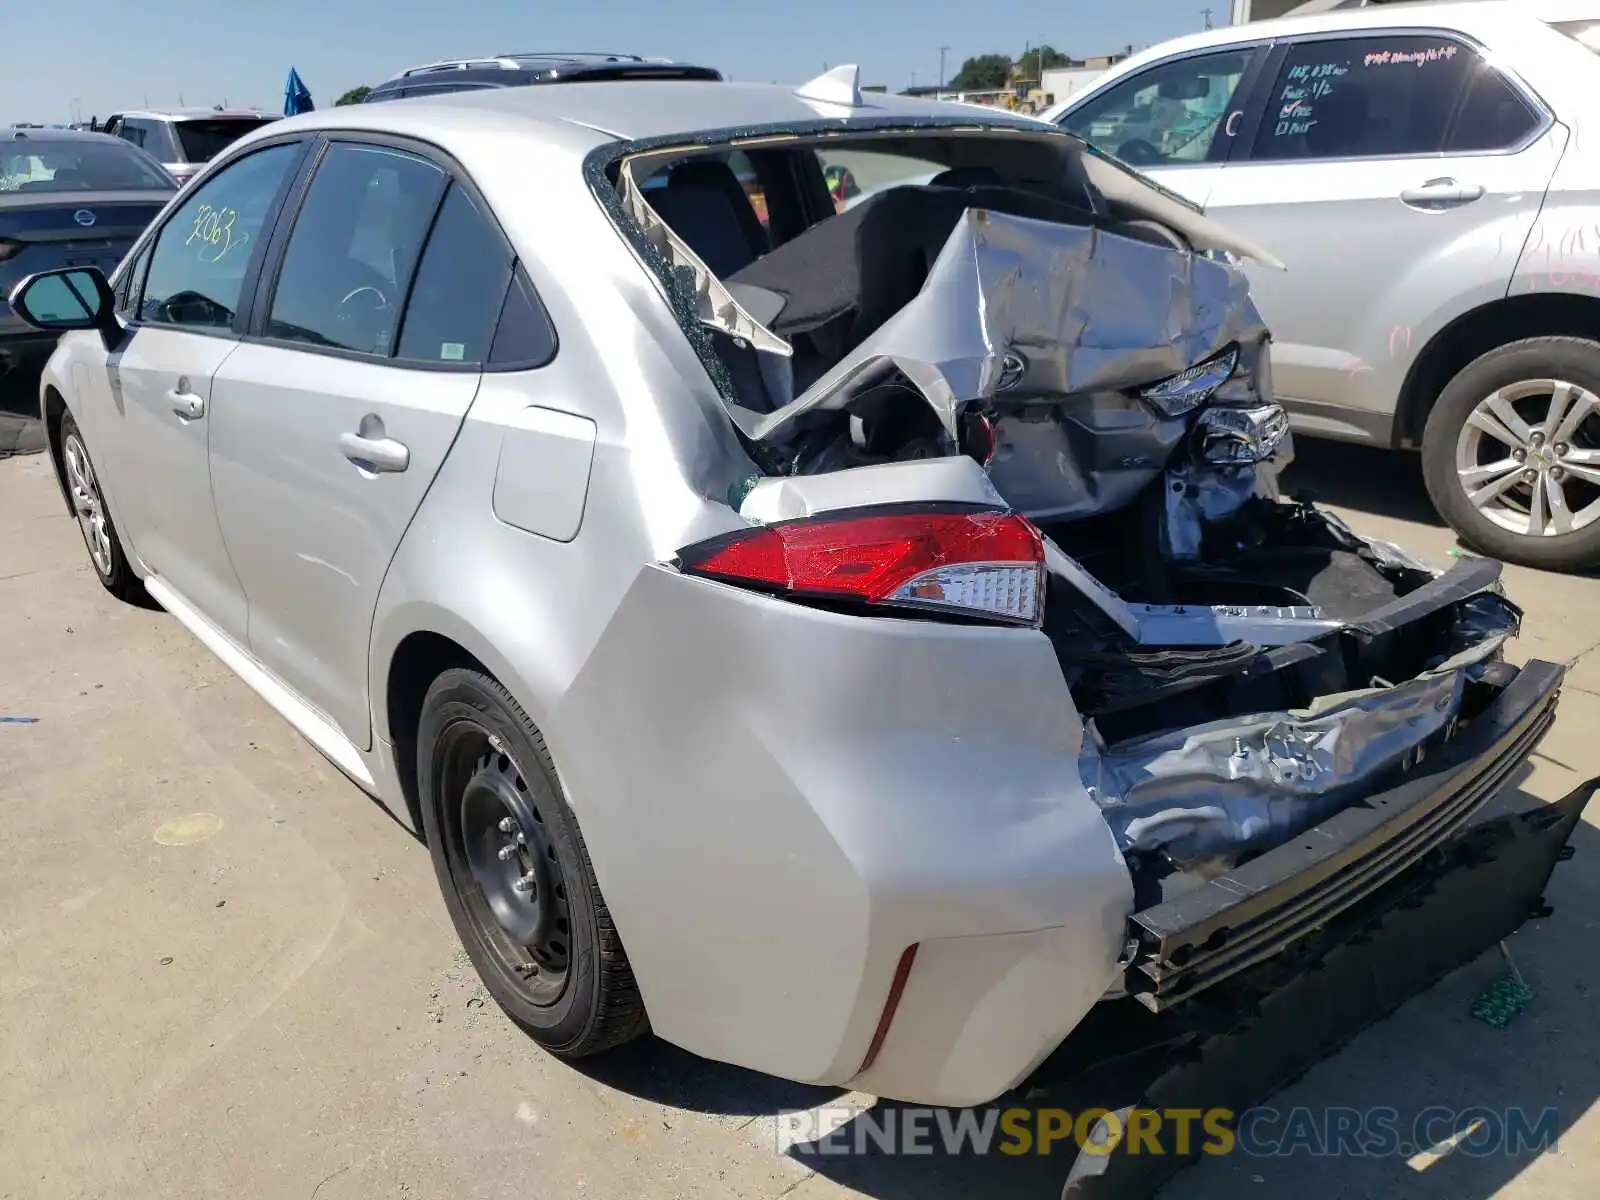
<point>858,643</point>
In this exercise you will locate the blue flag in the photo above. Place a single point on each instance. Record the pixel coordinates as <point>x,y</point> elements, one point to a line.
<point>296,96</point>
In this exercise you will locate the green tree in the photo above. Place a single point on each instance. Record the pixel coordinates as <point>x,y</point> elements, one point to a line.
<point>1051,56</point>
<point>983,73</point>
<point>354,96</point>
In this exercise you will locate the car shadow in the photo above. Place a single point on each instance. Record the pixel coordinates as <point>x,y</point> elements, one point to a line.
<point>1385,483</point>
<point>20,432</point>
<point>1430,1056</point>
<point>658,1071</point>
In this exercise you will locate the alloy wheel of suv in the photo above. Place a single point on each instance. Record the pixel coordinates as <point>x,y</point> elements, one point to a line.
<point>1511,454</point>
<point>515,871</point>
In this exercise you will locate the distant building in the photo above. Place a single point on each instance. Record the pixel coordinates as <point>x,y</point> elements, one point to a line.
<point>1059,83</point>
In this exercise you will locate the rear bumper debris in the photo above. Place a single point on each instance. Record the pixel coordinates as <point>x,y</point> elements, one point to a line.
<point>1256,910</point>
<point>1234,1046</point>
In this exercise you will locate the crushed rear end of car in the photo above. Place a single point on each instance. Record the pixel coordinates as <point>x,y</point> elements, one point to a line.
<point>1289,730</point>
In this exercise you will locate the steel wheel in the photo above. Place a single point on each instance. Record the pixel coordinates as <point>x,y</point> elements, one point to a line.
<point>517,900</point>
<point>1528,457</point>
<point>88,504</point>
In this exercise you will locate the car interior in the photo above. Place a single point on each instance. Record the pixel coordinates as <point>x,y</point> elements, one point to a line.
<point>825,280</point>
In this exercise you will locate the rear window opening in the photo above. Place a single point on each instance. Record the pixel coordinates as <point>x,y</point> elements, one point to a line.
<point>202,140</point>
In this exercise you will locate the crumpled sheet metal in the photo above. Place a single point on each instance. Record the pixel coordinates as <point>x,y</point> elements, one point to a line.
<point>1207,796</point>
<point>1087,311</point>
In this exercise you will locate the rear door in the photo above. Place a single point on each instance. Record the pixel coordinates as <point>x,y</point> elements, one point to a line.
<point>1390,171</point>
<point>1175,120</point>
<point>334,416</point>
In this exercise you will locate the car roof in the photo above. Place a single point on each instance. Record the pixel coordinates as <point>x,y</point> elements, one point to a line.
<point>540,61</point>
<point>192,114</point>
<point>40,134</point>
<point>1467,15</point>
<point>630,110</point>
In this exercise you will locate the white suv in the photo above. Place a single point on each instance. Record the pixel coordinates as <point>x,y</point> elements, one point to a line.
<point>1421,169</point>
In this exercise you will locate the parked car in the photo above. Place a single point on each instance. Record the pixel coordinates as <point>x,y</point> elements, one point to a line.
<point>1422,171</point>
<point>520,70</point>
<point>67,200</point>
<point>185,139</point>
<point>859,647</point>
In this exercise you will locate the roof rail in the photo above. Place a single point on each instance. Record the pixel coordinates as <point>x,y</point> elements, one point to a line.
<point>601,55</point>
<point>461,64</point>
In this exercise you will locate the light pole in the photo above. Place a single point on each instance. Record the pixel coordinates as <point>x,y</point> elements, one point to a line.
<point>943,50</point>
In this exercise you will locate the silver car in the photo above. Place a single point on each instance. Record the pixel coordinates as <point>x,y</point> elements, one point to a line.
<point>185,139</point>
<point>1422,171</point>
<point>854,645</point>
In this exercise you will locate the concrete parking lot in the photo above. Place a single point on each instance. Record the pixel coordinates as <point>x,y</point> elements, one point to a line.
<point>222,969</point>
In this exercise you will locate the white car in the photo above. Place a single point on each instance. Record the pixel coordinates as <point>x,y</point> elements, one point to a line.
<point>1427,173</point>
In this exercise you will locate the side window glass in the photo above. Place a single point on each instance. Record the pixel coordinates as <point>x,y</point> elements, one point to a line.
<point>198,265</point>
<point>353,248</point>
<point>460,283</point>
<point>524,338</point>
<point>128,285</point>
<point>1366,97</point>
<point>132,131</point>
<point>1494,115</point>
<point>1171,114</point>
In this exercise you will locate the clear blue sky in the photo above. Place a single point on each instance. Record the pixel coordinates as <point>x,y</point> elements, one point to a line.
<point>111,54</point>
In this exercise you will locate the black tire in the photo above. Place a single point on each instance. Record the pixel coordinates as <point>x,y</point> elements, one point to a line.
<point>1576,360</point>
<point>477,749</point>
<point>109,562</point>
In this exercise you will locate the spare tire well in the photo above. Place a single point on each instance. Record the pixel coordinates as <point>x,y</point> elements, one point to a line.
<point>418,660</point>
<point>1474,334</point>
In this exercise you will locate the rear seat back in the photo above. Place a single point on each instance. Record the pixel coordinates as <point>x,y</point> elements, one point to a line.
<point>707,207</point>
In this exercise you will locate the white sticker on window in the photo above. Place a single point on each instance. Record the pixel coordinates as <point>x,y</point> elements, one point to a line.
<point>453,351</point>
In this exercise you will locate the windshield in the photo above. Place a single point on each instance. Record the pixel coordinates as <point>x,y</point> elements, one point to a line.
<point>79,165</point>
<point>203,140</point>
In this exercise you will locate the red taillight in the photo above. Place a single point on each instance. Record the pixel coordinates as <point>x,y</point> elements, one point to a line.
<point>979,564</point>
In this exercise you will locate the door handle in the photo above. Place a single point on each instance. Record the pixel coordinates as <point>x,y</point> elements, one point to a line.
<point>187,404</point>
<point>375,453</point>
<point>1440,193</point>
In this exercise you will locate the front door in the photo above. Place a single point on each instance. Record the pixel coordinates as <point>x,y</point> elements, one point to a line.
<point>333,422</point>
<point>1389,173</point>
<point>1175,120</point>
<point>182,333</point>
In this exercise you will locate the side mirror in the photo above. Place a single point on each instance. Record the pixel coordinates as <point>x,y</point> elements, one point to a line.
<point>69,298</point>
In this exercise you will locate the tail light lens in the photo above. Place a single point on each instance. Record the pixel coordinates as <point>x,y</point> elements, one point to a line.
<point>981,564</point>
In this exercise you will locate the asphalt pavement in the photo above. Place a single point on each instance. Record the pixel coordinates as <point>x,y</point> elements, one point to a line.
<point>225,971</point>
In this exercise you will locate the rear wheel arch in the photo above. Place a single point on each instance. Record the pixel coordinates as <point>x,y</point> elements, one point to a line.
<point>419,659</point>
<point>1474,334</point>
